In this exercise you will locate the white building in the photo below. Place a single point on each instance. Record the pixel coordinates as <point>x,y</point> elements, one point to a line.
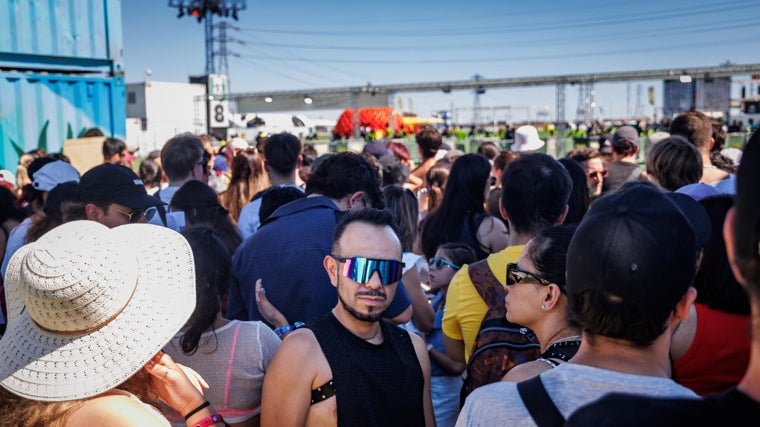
<point>156,111</point>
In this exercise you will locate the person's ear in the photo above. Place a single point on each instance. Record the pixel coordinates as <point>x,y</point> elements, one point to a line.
<point>728,237</point>
<point>551,297</point>
<point>331,267</point>
<point>561,219</point>
<point>503,211</point>
<point>683,306</point>
<point>92,212</point>
<point>357,198</point>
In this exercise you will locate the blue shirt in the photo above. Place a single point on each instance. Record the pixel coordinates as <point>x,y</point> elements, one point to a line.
<point>248,221</point>
<point>16,239</point>
<point>286,253</point>
<point>435,336</point>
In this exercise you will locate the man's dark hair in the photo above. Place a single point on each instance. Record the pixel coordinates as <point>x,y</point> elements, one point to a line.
<point>674,162</point>
<point>535,191</point>
<point>180,154</point>
<point>112,147</point>
<point>577,204</point>
<point>488,149</point>
<point>502,159</point>
<point>694,126</point>
<point>275,197</point>
<point>429,140</point>
<point>582,154</point>
<point>281,152</point>
<point>372,216</point>
<point>345,173</point>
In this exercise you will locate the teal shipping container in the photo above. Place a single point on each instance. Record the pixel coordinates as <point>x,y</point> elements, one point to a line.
<point>62,35</point>
<point>61,73</point>
<point>42,110</point>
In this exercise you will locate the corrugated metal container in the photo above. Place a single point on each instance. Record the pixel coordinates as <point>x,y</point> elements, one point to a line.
<point>61,34</point>
<point>42,110</point>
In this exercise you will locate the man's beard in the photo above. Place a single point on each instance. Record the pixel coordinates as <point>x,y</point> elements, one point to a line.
<point>372,316</point>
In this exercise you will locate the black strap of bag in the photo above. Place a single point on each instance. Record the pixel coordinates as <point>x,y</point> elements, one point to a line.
<point>539,403</point>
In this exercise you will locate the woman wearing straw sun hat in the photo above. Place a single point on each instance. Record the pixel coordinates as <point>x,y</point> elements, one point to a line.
<point>89,309</point>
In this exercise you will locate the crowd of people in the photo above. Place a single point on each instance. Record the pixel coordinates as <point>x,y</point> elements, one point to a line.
<point>249,285</point>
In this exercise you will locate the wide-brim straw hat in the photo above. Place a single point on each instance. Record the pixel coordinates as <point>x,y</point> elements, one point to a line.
<point>89,306</point>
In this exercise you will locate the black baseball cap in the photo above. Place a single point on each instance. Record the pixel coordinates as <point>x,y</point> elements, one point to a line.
<point>637,245</point>
<point>110,182</point>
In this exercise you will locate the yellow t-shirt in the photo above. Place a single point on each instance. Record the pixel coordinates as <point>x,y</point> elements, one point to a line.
<point>465,308</point>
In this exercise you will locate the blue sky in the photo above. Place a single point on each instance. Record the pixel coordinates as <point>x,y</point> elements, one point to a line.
<point>307,44</point>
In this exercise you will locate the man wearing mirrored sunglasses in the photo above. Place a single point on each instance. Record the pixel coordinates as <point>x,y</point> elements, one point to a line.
<point>354,368</point>
<point>114,195</point>
<point>287,251</point>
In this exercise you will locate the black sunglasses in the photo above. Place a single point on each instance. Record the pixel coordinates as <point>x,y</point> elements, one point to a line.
<point>515,275</point>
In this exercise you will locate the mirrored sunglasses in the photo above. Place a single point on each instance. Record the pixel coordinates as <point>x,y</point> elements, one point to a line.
<point>360,269</point>
<point>439,263</point>
<point>515,275</point>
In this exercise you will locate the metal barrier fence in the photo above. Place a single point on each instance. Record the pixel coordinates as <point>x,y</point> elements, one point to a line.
<point>555,146</point>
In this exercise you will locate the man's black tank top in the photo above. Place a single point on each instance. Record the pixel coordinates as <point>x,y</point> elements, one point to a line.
<point>375,384</point>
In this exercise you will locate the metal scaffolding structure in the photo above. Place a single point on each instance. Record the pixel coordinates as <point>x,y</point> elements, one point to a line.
<point>382,95</point>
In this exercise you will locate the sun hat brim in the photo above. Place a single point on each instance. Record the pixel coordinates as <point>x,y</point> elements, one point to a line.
<point>48,366</point>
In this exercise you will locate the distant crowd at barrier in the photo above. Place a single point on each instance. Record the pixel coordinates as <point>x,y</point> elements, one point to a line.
<point>610,281</point>
<point>561,140</point>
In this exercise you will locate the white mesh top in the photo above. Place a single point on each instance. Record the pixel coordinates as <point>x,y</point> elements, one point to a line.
<point>232,360</point>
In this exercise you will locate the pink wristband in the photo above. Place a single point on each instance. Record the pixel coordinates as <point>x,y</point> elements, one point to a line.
<point>209,421</point>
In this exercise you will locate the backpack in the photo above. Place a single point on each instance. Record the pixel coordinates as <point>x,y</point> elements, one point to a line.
<point>500,344</point>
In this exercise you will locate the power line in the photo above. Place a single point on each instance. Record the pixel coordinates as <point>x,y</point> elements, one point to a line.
<point>601,21</point>
<point>546,42</point>
<point>700,45</point>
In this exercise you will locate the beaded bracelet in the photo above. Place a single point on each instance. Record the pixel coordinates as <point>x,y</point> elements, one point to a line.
<point>195,411</point>
<point>209,421</point>
<point>282,330</point>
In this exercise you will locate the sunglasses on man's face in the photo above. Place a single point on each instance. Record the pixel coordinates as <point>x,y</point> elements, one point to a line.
<point>439,263</point>
<point>515,275</point>
<point>360,269</point>
<point>134,216</point>
<point>597,174</point>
